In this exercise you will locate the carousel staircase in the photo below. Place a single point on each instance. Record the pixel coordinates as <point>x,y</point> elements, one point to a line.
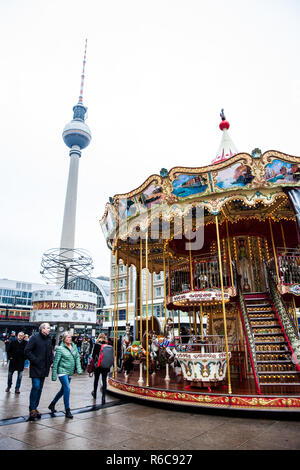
<point>274,358</point>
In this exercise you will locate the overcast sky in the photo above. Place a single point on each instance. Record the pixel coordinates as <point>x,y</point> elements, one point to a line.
<point>157,75</point>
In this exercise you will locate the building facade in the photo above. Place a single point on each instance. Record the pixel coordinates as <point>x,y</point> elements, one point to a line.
<point>156,299</point>
<point>16,305</point>
<point>101,287</point>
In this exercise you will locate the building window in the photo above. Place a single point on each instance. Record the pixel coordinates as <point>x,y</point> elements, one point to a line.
<point>158,291</point>
<point>122,314</point>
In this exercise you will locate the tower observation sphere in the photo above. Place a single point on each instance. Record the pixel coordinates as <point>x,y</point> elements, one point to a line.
<point>77,132</point>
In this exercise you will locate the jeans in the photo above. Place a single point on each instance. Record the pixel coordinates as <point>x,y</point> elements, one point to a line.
<point>19,379</point>
<point>36,391</point>
<point>64,391</point>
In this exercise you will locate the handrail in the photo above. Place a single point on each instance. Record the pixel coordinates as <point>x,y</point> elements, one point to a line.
<point>205,275</point>
<point>288,262</point>
<point>288,327</point>
<point>248,335</point>
<point>209,344</point>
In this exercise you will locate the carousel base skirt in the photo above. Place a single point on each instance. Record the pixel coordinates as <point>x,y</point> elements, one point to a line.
<point>181,393</point>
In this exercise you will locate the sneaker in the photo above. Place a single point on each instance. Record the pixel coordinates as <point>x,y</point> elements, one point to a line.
<point>17,391</point>
<point>7,389</point>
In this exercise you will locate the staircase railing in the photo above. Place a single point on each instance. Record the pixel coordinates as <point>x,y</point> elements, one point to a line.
<point>288,327</point>
<point>249,335</point>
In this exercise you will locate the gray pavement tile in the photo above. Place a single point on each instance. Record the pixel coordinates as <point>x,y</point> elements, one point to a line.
<point>42,437</point>
<point>143,442</point>
<point>218,440</point>
<point>193,445</point>
<point>74,443</point>
<point>270,444</point>
<point>14,430</point>
<point>8,443</point>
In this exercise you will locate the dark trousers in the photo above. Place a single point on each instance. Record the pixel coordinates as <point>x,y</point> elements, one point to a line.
<point>103,373</point>
<point>10,377</point>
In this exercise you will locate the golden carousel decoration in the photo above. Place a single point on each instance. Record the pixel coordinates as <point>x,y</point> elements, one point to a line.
<point>226,238</point>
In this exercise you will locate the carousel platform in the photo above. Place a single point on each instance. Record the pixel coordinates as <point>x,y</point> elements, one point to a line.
<point>178,392</point>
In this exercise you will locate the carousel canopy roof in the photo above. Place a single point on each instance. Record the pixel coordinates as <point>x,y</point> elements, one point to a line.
<point>239,187</point>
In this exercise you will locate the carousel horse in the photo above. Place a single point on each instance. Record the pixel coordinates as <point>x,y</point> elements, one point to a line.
<point>126,342</point>
<point>135,352</point>
<point>162,349</point>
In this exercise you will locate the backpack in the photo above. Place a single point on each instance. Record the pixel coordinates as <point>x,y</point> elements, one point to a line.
<point>106,357</point>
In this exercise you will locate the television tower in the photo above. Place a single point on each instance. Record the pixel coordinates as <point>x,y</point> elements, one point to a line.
<point>76,136</point>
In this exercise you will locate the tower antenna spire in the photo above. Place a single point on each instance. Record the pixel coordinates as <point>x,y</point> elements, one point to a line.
<point>82,75</point>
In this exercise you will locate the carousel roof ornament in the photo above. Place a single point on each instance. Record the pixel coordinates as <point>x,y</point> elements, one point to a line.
<point>227,148</point>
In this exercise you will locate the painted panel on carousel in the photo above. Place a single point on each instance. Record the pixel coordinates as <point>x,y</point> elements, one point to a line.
<point>189,185</point>
<point>153,195</point>
<point>282,172</point>
<point>109,224</point>
<point>209,368</point>
<point>238,174</point>
<point>128,207</point>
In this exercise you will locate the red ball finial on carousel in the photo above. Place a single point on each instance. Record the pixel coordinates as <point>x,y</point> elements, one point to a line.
<point>223,124</point>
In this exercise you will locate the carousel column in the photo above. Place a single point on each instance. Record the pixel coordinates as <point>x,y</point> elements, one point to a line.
<point>152,273</point>
<point>274,251</point>
<point>229,254</point>
<point>137,304</point>
<point>165,290</point>
<point>223,305</point>
<point>283,237</point>
<point>201,321</point>
<point>116,318</point>
<point>114,314</point>
<point>141,288</point>
<point>141,381</point>
<point>147,339</point>
<point>127,287</point>
<point>195,323</point>
<point>191,269</point>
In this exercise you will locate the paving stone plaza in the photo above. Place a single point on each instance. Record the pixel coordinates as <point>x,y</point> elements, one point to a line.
<point>131,425</point>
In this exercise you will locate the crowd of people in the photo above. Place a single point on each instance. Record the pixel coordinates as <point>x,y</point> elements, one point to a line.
<point>71,355</point>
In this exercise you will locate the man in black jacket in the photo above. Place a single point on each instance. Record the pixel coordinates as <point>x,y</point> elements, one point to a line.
<point>16,357</point>
<point>39,352</point>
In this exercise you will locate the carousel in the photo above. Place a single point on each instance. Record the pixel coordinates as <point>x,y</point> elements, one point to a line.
<point>226,239</point>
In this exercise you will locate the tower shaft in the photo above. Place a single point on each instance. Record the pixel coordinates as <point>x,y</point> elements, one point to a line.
<point>69,220</point>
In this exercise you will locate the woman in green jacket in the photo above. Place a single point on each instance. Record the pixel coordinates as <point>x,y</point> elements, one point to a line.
<point>66,363</point>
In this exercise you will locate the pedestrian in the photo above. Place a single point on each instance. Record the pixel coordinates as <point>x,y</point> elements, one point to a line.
<point>26,363</point>
<point>100,343</point>
<point>16,356</point>
<point>12,336</point>
<point>79,341</point>
<point>39,352</point>
<point>4,349</point>
<point>66,363</point>
<point>85,352</point>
